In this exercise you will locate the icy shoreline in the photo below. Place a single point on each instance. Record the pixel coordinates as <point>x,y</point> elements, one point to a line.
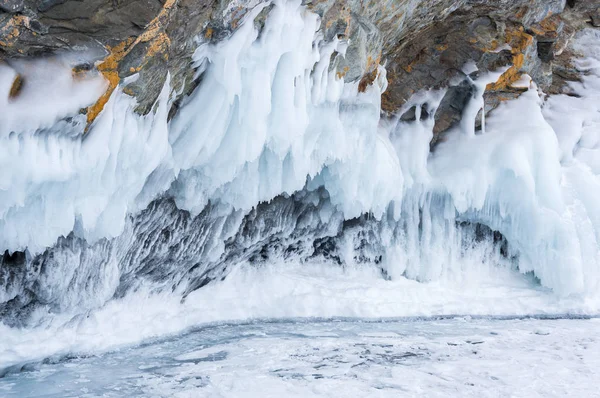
<point>282,291</point>
<point>436,357</point>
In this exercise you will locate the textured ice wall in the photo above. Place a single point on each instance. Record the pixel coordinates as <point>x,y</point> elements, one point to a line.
<point>271,113</point>
<point>270,118</point>
<point>53,178</point>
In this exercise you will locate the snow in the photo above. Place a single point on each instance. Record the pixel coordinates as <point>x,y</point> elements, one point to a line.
<point>437,358</point>
<point>281,291</point>
<point>524,82</point>
<point>49,91</point>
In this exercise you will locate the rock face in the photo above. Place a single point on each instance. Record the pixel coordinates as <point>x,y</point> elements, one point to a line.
<point>422,43</point>
<point>11,6</point>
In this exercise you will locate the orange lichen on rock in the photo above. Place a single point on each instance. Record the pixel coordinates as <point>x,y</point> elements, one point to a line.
<point>159,42</point>
<point>551,23</point>
<point>16,87</point>
<point>128,91</point>
<point>108,68</point>
<point>154,30</point>
<point>367,80</point>
<point>159,45</point>
<point>504,98</point>
<point>80,72</point>
<point>371,72</point>
<point>548,26</point>
<point>11,31</point>
<point>339,11</point>
<point>342,73</point>
<point>491,47</point>
<point>373,63</point>
<point>418,58</point>
<point>408,68</point>
<point>522,11</point>
<point>519,42</point>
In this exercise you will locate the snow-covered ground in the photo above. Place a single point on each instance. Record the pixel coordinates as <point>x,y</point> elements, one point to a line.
<point>434,358</point>
<point>283,291</point>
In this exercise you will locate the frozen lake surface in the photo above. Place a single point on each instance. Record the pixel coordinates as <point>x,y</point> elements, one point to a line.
<point>337,358</point>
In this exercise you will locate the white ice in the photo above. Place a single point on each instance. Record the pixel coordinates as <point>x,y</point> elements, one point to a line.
<point>270,114</point>
<point>54,181</point>
<point>283,291</point>
<point>435,358</point>
<point>49,91</point>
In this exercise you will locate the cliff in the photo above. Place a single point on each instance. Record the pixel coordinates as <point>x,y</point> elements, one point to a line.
<point>422,43</point>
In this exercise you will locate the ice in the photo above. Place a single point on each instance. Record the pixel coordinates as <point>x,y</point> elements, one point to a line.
<point>308,358</point>
<point>279,291</point>
<point>269,115</point>
<point>243,138</point>
<point>53,183</point>
<point>476,104</point>
<point>50,90</point>
<point>509,179</point>
<point>503,47</point>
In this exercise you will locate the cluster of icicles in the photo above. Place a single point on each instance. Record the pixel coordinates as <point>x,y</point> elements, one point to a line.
<point>270,118</point>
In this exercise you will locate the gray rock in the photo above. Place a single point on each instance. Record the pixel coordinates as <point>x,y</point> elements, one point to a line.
<point>595,16</point>
<point>12,6</point>
<point>45,5</point>
<point>451,108</point>
<point>423,43</point>
<point>545,47</point>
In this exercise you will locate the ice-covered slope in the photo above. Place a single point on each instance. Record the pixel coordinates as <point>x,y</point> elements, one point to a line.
<point>272,124</point>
